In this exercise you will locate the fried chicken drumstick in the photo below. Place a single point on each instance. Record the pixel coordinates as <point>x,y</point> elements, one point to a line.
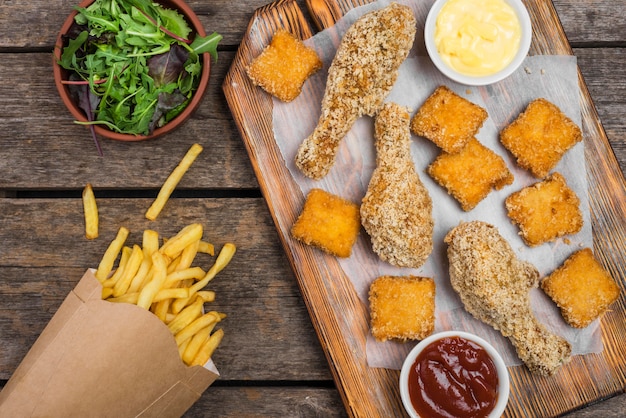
<point>396,211</point>
<point>494,287</point>
<point>361,75</point>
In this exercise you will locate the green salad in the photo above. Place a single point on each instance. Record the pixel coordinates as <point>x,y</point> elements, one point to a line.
<point>132,65</point>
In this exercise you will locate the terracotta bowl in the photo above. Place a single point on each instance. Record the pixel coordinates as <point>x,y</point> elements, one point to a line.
<point>62,74</point>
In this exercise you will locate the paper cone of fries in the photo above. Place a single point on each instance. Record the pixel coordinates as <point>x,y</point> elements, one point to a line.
<point>97,358</point>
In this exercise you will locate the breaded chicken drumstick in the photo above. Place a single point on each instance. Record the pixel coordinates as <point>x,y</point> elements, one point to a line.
<point>397,210</point>
<point>361,75</point>
<point>494,286</point>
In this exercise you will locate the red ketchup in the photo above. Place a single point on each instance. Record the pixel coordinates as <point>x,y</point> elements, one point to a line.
<point>453,377</point>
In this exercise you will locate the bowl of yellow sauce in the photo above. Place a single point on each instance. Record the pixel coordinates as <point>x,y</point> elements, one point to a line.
<point>478,42</point>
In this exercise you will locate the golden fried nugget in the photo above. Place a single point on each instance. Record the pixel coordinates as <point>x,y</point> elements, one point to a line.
<point>448,120</point>
<point>283,66</point>
<point>581,288</point>
<point>470,174</point>
<point>540,136</point>
<point>402,307</point>
<point>328,222</point>
<point>545,210</point>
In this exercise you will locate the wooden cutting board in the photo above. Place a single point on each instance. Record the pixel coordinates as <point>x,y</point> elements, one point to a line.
<point>339,317</point>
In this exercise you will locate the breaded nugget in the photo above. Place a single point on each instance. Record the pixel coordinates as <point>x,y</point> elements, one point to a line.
<point>402,307</point>
<point>283,66</point>
<point>396,210</point>
<point>540,136</point>
<point>361,75</point>
<point>328,222</point>
<point>470,174</point>
<point>545,211</point>
<point>448,120</point>
<point>494,287</point>
<point>581,288</point>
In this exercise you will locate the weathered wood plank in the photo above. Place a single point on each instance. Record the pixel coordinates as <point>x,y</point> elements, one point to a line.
<point>605,76</point>
<point>42,147</point>
<point>258,291</point>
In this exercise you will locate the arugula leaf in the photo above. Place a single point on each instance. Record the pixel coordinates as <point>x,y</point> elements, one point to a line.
<point>208,44</point>
<point>136,60</point>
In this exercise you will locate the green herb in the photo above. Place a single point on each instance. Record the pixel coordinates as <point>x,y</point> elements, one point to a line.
<point>133,67</point>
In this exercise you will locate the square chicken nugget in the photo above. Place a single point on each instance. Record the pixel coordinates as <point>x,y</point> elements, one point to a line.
<point>283,66</point>
<point>448,120</point>
<point>402,307</point>
<point>545,211</point>
<point>328,222</point>
<point>581,288</point>
<point>540,136</point>
<point>470,174</point>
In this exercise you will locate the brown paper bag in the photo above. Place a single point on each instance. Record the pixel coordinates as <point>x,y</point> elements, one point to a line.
<point>103,359</point>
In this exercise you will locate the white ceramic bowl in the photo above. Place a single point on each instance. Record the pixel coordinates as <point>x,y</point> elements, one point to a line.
<point>503,374</point>
<point>526,38</point>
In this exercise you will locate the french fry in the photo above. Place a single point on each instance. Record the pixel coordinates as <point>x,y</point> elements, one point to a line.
<point>150,290</point>
<point>186,316</point>
<point>175,245</point>
<point>223,258</point>
<point>174,293</point>
<point>125,298</point>
<point>130,270</point>
<point>158,277</point>
<point>207,349</point>
<point>110,255</point>
<point>206,248</point>
<point>206,295</point>
<point>178,276</point>
<point>172,181</point>
<point>150,244</point>
<point>188,255</point>
<point>196,325</point>
<point>110,282</point>
<point>90,209</point>
<point>193,344</point>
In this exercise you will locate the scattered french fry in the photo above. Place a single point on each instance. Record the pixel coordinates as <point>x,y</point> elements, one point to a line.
<point>90,209</point>
<point>172,181</point>
<point>158,277</point>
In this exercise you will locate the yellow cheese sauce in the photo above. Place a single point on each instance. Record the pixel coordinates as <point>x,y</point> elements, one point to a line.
<point>477,37</point>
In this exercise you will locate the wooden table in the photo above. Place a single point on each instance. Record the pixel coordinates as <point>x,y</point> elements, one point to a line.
<point>271,362</point>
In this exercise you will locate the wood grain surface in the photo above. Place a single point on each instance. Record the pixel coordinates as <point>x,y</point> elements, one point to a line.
<point>45,160</point>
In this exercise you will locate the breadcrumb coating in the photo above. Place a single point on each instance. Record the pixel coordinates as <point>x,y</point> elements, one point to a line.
<point>360,77</point>
<point>494,287</point>
<point>396,210</point>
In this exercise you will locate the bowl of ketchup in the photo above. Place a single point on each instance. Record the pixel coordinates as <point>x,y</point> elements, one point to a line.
<point>454,373</point>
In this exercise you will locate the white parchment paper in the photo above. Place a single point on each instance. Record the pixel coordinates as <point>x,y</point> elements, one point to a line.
<point>552,77</point>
